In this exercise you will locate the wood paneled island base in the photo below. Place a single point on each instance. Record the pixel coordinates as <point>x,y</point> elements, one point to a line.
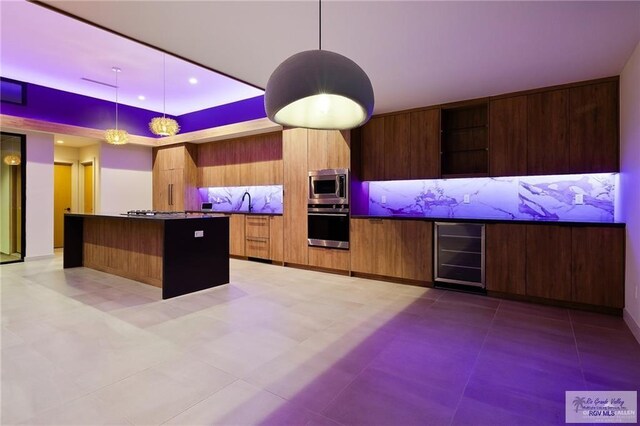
<point>178,253</point>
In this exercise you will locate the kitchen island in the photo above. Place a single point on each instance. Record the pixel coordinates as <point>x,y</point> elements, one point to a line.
<point>180,253</point>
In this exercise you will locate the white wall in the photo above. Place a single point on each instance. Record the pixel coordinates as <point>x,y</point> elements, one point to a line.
<point>39,189</point>
<point>629,179</point>
<point>126,178</point>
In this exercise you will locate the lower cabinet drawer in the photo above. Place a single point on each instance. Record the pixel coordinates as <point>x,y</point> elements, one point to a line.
<point>257,247</point>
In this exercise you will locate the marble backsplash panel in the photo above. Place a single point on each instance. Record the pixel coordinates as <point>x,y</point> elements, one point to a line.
<point>546,198</point>
<point>264,199</point>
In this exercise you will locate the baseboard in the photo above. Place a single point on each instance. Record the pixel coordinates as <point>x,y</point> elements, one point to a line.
<point>41,257</point>
<point>632,324</point>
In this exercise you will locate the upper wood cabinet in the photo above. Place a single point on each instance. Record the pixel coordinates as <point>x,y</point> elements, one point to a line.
<point>175,178</point>
<point>397,146</point>
<point>372,150</point>
<point>593,128</point>
<point>464,141</point>
<point>425,144</point>
<point>328,149</point>
<point>508,136</point>
<point>401,146</point>
<point>251,160</point>
<point>548,133</point>
<point>573,130</point>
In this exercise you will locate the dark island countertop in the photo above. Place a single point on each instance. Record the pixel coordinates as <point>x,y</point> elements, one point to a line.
<point>515,221</point>
<point>167,216</point>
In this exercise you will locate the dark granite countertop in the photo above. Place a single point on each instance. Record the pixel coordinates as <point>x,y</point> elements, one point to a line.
<point>240,212</point>
<point>169,216</point>
<point>521,222</point>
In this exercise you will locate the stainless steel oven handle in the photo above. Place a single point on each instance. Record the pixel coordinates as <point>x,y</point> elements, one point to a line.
<point>328,214</point>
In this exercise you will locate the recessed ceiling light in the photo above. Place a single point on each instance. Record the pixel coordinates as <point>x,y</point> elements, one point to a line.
<point>141,97</point>
<point>60,141</point>
<point>193,80</point>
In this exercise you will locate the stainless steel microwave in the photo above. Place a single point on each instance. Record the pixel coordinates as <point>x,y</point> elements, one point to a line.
<point>330,186</point>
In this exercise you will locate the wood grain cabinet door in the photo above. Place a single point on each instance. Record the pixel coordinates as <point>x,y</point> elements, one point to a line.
<point>397,150</point>
<point>296,195</point>
<point>593,133</point>
<point>372,150</point>
<point>549,262</point>
<point>506,246</point>
<point>548,133</point>
<point>508,136</point>
<point>416,250</point>
<point>425,144</point>
<point>598,266</point>
<point>276,237</point>
<point>236,235</point>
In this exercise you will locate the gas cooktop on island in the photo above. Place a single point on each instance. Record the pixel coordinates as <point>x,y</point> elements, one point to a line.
<point>151,213</point>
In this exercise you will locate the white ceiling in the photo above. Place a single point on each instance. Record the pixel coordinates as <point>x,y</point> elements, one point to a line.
<point>416,53</point>
<point>44,47</point>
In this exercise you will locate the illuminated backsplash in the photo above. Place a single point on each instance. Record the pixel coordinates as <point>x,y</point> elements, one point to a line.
<point>571,198</point>
<point>264,199</point>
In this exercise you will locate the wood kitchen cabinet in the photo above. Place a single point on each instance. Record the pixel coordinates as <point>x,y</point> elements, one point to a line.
<point>236,235</point>
<point>246,161</point>
<point>372,150</point>
<point>425,144</point>
<point>506,247</point>
<point>296,194</point>
<point>397,146</point>
<point>392,248</point>
<point>464,141</point>
<point>257,236</point>
<point>328,149</point>
<point>548,262</point>
<point>401,146</point>
<point>508,136</point>
<point>175,177</point>
<point>548,133</point>
<point>417,250</point>
<point>598,266</point>
<point>593,128</point>
<point>276,238</point>
<point>329,258</point>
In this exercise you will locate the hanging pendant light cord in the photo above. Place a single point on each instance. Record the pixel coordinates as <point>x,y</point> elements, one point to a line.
<point>116,100</point>
<point>164,84</point>
<point>319,24</point>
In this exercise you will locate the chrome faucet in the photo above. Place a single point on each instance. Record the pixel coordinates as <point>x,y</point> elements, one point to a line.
<point>244,195</point>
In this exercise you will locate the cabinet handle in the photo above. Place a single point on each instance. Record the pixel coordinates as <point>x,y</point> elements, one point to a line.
<point>171,194</point>
<point>375,220</point>
<point>257,239</point>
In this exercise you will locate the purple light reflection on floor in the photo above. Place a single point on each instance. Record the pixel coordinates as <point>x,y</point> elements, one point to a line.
<point>547,198</point>
<point>264,199</point>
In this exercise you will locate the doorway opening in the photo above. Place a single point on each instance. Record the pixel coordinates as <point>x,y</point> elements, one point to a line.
<point>87,183</point>
<point>12,197</point>
<point>61,200</point>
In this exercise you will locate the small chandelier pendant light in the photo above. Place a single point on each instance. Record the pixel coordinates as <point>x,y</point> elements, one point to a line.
<point>116,136</point>
<point>12,159</point>
<point>164,126</point>
<point>318,89</point>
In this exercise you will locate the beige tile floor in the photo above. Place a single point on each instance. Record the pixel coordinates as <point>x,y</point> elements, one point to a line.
<point>287,346</point>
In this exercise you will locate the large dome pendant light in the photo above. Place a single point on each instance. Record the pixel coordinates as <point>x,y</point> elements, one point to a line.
<point>318,89</point>
<point>163,126</point>
<point>116,136</point>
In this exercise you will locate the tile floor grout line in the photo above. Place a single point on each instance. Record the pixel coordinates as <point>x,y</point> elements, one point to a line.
<point>575,342</point>
<point>475,363</point>
<point>198,402</point>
